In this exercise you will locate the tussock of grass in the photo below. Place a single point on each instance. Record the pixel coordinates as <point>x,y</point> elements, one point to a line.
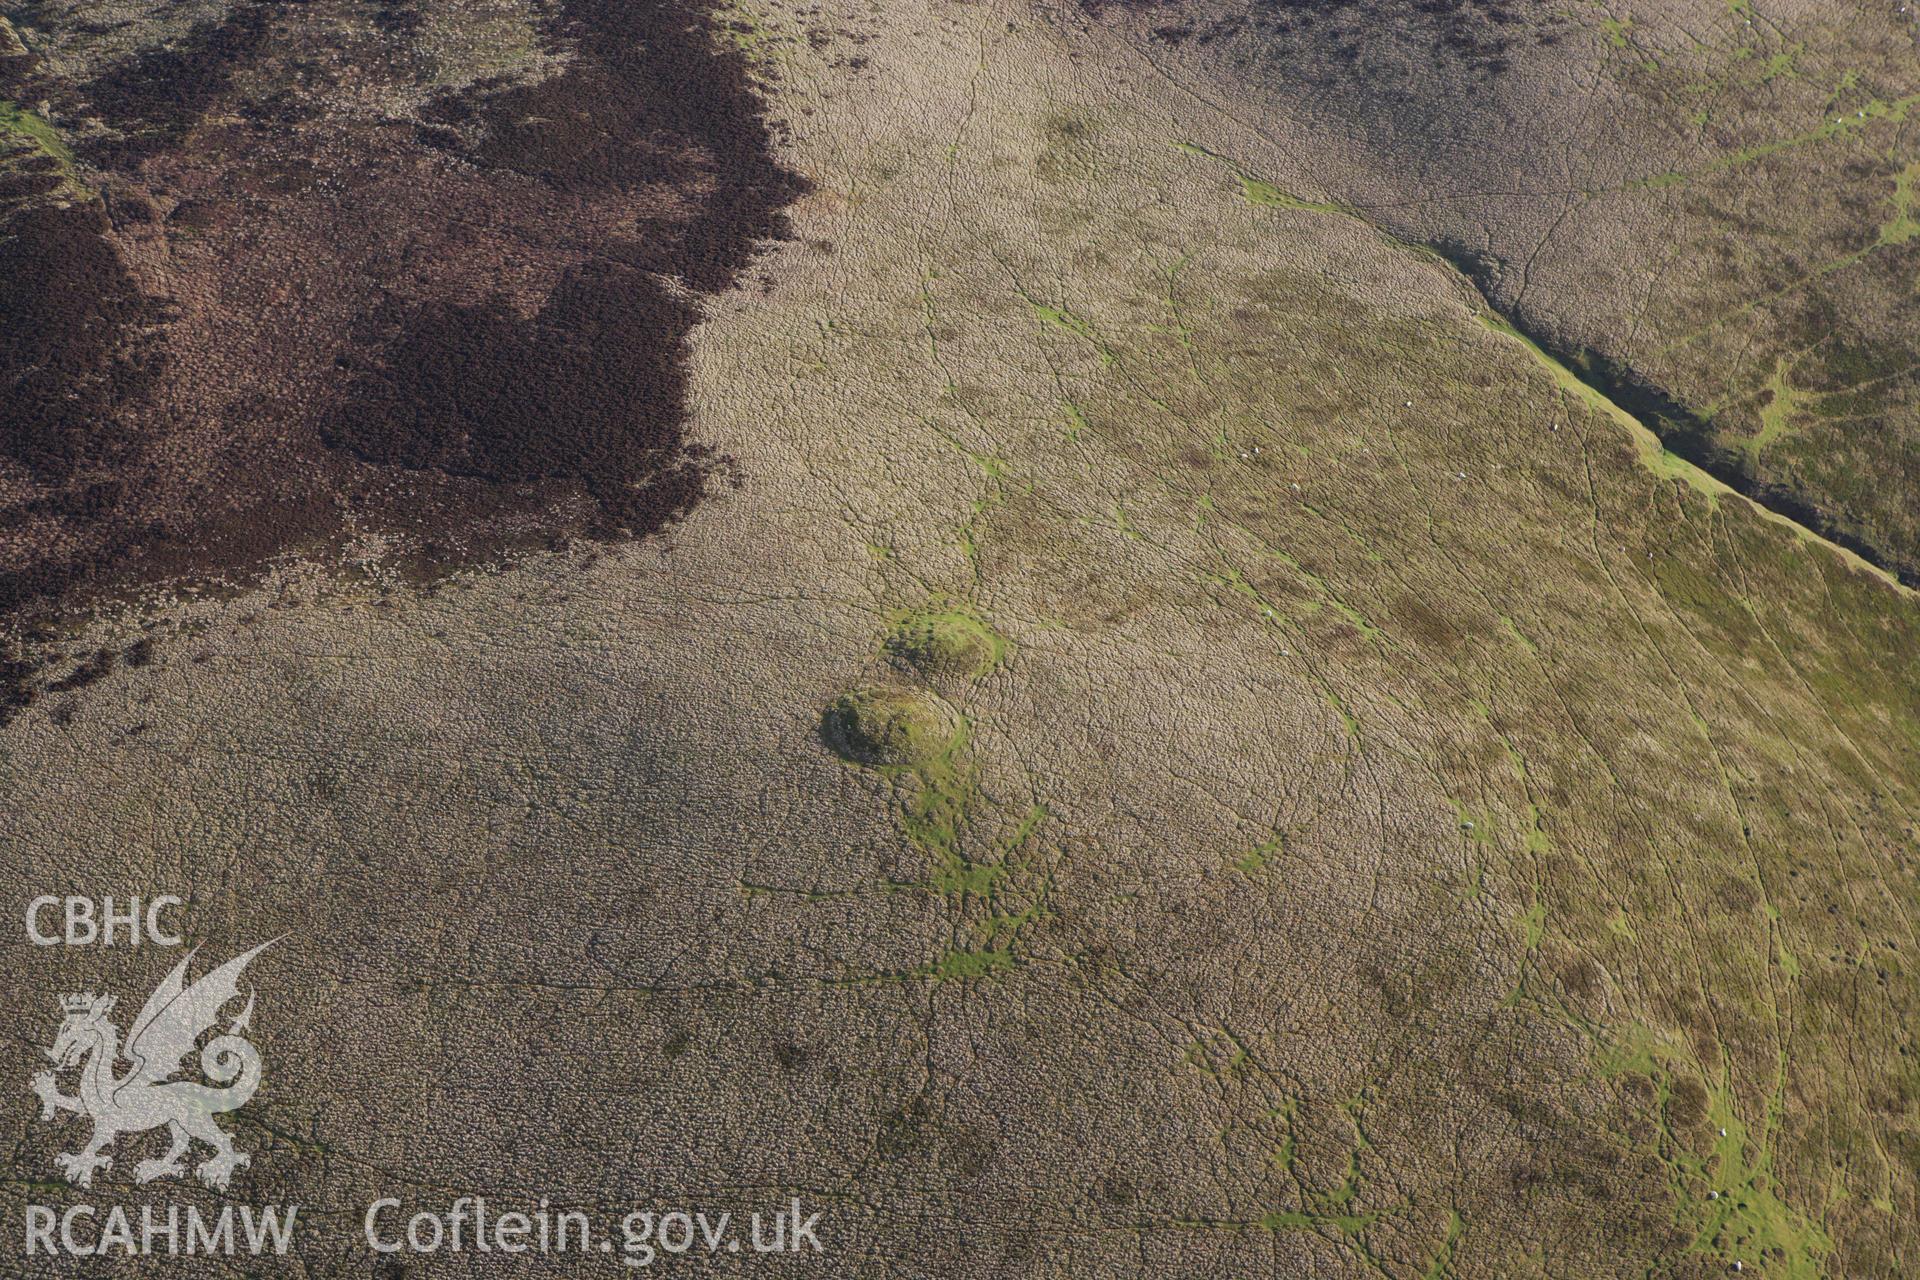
<point>889,727</point>
<point>954,641</point>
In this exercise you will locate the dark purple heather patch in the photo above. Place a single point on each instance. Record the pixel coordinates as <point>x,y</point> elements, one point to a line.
<point>1476,33</point>
<point>350,349</point>
<point>590,390</point>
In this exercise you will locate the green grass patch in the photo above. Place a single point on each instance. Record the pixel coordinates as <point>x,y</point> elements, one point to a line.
<point>1350,1224</point>
<point>1533,925</point>
<point>29,145</point>
<point>887,727</point>
<point>17,122</point>
<point>1443,1256</point>
<point>1902,226</point>
<point>946,641</point>
<point>1725,1197</point>
<point>1263,194</point>
<point>1777,413</point>
<point>968,966</point>
<point>1261,855</point>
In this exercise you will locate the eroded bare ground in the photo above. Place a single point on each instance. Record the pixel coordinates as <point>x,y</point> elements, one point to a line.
<point>1191,750</point>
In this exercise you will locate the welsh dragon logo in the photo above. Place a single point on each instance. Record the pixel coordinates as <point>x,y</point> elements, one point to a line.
<point>145,1096</point>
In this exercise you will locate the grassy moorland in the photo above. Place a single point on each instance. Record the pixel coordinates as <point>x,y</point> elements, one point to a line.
<point>1196,738</point>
